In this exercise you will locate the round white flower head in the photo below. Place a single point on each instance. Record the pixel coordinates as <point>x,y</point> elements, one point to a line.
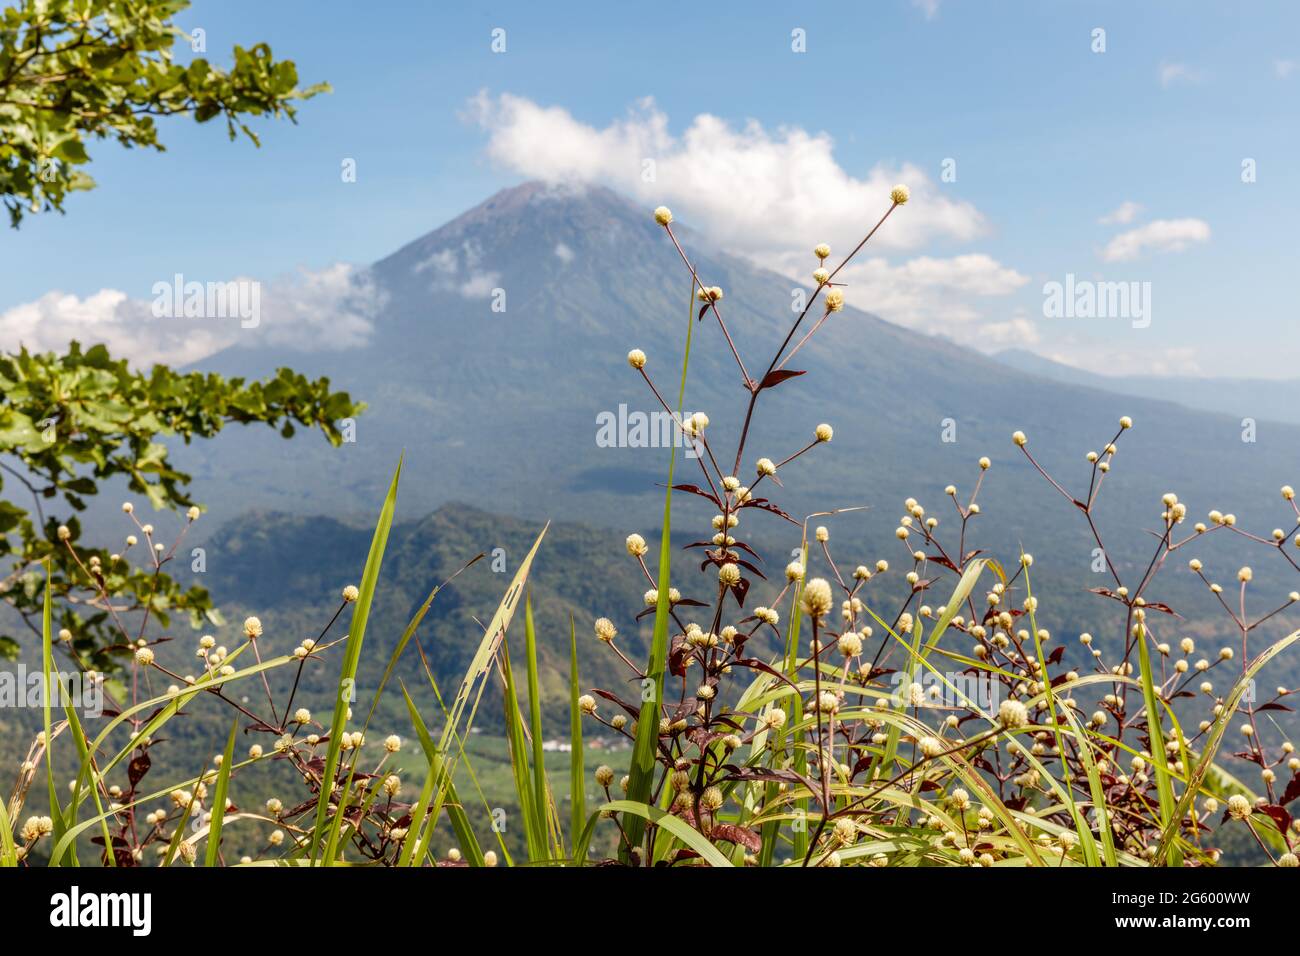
<point>822,533</point>
<point>252,627</point>
<point>774,719</point>
<point>1239,807</point>
<point>605,629</point>
<point>1288,492</point>
<point>587,704</point>
<point>193,512</point>
<point>663,215</point>
<point>604,775</point>
<point>144,656</point>
<point>699,421</point>
<point>636,358</point>
<point>794,571</point>
<point>821,276</point>
<point>930,746</point>
<point>900,194</point>
<point>64,532</point>
<point>302,715</point>
<point>636,545</point>
<point>128,507</point>
<point>817,597</point>
<point>834,300</point>
<point>729,575</point>
<point>1019,438</point>
<point>822,251</point>
<point>1012,714</point>
<point>1245,574</point>
<point>984,463</point>
<point>824,432</point>
<point>350,593</point>
<point>392,743</point>
<point>1126,422</point>
<point>765,467</point>
<point>850,644</point>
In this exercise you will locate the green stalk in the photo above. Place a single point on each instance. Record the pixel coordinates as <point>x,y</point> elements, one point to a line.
<point>641,777</point>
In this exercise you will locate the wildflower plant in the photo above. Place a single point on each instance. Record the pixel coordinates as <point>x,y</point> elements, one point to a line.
<point>831,750</point>
<point>901,709</point>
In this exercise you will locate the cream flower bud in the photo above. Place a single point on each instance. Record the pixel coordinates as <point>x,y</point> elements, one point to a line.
<point>824,432</point>
<point>1126,422</point>
<point>1019,438</point>
<point>729,575</point>
<point>605,630</point>
<point>765,467</point>
<point>834,300</point>
<point>392,743</point>
<point>636,545</point>
<point>1012,714</point>
<point>587,704</point>
<point>252,628</point>
<point>663,215</point>
<point>930,746</point>
<point>1239,807</point>
<point>144,656</point>
<point>636,358</point>
<point>900,194</point>
<point>350,593</point>
<point>822,251</point>
<point>817,598</point>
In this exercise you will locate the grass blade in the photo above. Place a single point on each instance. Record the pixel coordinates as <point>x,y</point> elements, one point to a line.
<point>212,852</point>
<point>348,673</point>
<point>577,773</point>
<point>641,775</point>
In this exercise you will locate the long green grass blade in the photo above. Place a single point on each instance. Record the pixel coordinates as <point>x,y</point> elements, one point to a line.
<point>212,851</point>
<point>541,797</point>
<point>348,675</point>
<point>577,772</point>
<point>460,825</point>
<point>676,826</point>
<point>641,777</point>
<point>1164,786</point>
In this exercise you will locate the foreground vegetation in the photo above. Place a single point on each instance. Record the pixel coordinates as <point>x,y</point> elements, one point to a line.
<point>914,712</point>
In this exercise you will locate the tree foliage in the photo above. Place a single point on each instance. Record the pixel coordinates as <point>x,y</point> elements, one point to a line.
<point>76,70</point>
<point>69,424</point>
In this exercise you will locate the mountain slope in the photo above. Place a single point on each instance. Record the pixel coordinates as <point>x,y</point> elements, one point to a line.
<point>1275,400</point>
<point>500,409</point>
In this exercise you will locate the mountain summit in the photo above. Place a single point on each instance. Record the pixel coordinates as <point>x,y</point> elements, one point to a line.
<point>501,348</point>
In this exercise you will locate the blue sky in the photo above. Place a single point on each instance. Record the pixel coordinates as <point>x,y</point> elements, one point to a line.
<point>1048,136</point>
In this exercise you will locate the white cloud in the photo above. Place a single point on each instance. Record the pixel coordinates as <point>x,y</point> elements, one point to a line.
<point>1160,235</point>
<point>460,269</point>
<point>1283,68</point>
<point>563,253</point>
<point>762,193</point>
<point>929,7</point>
<point>1122,215</point>
<point>331,308</point>
<point>751,189</point>
<point>931,294</point>
<point>1172,74</point>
